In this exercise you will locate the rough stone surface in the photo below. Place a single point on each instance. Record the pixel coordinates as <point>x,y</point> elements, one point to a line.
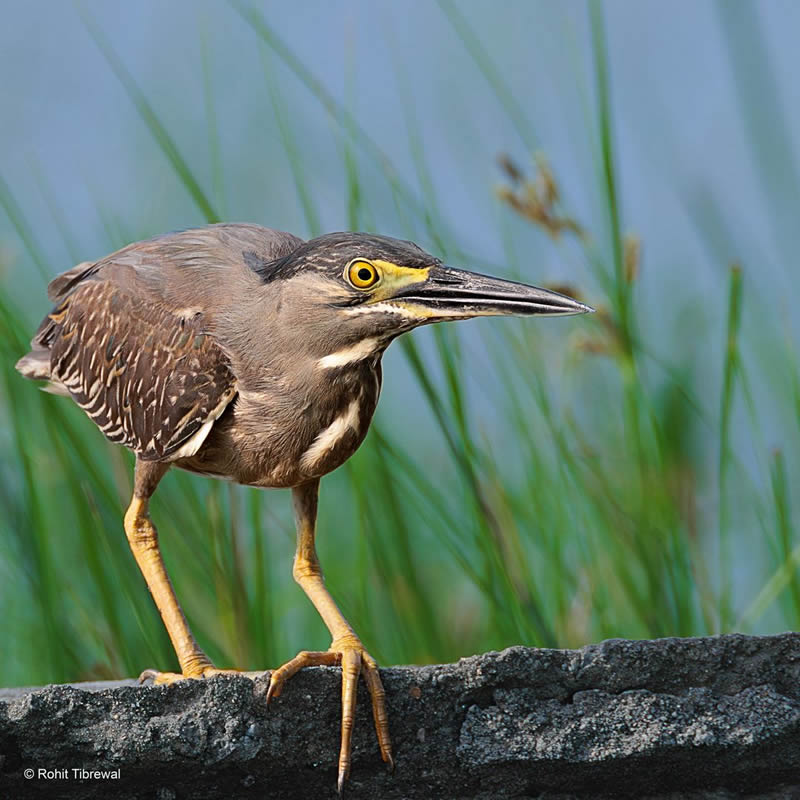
<point>717,717</point>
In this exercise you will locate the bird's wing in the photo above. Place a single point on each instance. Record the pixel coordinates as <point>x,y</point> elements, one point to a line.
<point>133,336</point>
<point>150,378</point>
<point>185,267</point>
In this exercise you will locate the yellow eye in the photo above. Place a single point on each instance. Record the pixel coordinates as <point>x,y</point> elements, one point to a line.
<point>362,274</point>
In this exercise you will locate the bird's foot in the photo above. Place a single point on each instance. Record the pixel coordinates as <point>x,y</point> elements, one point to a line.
<point>349,653</point>
<point>195,671</point>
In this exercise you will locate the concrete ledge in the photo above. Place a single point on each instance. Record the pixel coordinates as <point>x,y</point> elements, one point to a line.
<point>717,717</point>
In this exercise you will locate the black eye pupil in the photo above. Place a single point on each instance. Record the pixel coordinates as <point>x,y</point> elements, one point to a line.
<point>364,274</point>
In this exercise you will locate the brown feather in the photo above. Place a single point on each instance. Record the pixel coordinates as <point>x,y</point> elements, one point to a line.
<point>149,378</point>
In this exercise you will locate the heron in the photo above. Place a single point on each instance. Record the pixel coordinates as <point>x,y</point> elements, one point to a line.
<point>241,352</point>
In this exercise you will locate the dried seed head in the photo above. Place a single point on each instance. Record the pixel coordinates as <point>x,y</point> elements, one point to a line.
<point>513,172</point>
<point>536,199</point>
<point>631,255</point>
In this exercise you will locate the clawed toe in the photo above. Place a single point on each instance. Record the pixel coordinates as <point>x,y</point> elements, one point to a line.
<point>303,659</point>
<point>166,678</point>
<point>355,661</point>
<point>161,678</point>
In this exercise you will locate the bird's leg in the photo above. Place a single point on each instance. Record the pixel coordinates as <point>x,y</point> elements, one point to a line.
<point>143,539</point>
<point>346,648</point>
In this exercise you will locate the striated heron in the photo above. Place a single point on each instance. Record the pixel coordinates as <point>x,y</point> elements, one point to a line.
<point>240,352</point>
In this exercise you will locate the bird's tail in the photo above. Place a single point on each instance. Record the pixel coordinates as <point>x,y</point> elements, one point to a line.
<point>36,367</point>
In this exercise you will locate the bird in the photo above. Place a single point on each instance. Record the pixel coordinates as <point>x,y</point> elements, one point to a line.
<point>241,352</point>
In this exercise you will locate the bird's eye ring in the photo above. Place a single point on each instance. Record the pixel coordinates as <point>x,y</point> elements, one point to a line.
<point>361,274</point>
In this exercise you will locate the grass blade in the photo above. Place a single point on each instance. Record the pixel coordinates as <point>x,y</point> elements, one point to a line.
<point>730,372</point>
<point>516,113</point>
<point>146,111</point>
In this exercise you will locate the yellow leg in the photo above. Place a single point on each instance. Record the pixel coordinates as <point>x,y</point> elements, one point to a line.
<point>143,539</point>
<point>346,648</point>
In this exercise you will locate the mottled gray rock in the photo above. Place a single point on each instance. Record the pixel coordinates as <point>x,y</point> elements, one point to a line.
<point>674,718</point>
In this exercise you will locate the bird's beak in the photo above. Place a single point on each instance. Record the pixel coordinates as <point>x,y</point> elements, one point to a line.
<point>451,293</point>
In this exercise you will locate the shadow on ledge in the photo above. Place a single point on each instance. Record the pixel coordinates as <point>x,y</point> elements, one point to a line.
<point>717,717</point>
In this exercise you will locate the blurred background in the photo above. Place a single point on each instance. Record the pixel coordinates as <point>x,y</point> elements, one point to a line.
<point>546,482</point>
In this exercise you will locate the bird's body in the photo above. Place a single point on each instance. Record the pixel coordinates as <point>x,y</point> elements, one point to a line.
<point>244,353</point>
<point>262,441</point>
<point>281,413</point>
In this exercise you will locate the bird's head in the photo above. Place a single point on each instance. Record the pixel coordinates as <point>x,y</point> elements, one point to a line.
<point>385,287</point>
